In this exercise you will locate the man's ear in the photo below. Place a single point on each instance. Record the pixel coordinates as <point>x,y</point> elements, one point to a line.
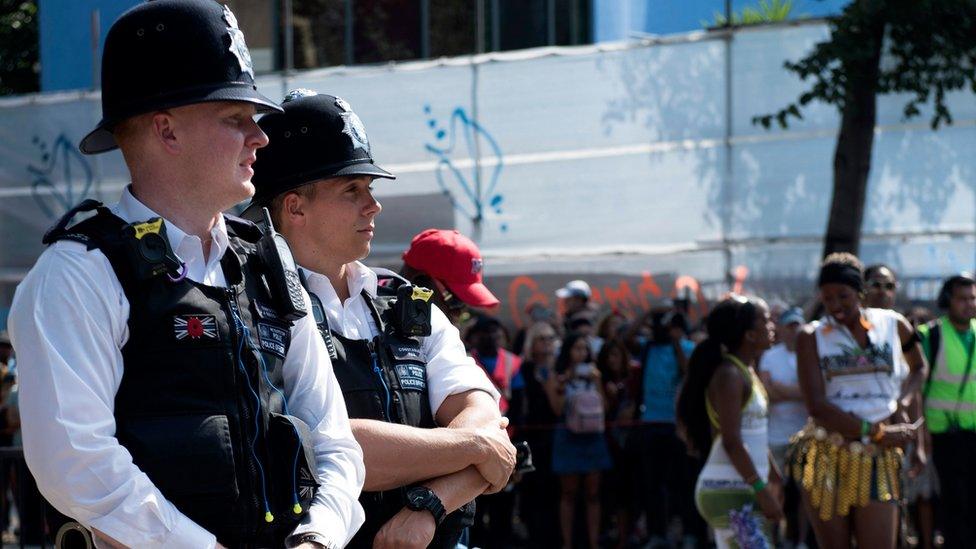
<point>293,209</point>
<point>164,131</point>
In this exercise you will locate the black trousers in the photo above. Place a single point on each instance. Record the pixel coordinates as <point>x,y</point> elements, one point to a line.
<point>667,481</point>
<point>954,454</point>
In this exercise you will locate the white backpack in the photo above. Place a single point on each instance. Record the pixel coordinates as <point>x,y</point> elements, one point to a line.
<point>584,411</point>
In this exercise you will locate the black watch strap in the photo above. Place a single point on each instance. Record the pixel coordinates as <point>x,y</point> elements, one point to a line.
<point>421,498</point>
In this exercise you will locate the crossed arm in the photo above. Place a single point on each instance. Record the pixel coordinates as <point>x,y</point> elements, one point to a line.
<point>469,457</point>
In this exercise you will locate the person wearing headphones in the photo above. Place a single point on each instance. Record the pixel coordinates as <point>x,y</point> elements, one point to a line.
<point>175,391</point>
<point>950,405</point>
<point>426,416</point>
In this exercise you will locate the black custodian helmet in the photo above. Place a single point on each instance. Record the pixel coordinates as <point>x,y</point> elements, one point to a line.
<point>170,53</point>
<point>316,137</point>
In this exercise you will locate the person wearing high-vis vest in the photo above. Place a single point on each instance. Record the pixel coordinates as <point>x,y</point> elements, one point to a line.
<point>950,405</point>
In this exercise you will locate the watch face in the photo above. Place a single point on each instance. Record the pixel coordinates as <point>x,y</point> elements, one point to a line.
<point>418,497</point>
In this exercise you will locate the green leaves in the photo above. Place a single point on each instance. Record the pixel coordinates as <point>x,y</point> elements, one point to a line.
<point>928,50</point>
<point>18,46</point>
<point>768,11</point>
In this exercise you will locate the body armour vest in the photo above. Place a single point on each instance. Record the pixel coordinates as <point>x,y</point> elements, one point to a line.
<point>385,378</point>
<point>200,405</point>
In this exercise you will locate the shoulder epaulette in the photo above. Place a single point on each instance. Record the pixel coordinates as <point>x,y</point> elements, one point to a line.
<point>242,228</point>
<point>81,232</point>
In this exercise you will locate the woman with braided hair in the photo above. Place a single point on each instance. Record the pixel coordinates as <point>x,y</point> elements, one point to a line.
<point>722,410</point>
<point>859,369</point>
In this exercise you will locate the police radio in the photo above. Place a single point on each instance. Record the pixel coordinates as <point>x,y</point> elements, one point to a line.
<point>281,272</point>
<point>412,310</point>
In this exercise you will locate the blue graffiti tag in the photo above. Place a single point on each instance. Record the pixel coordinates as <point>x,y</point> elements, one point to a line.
<point>460,188</point>
<point>62,164</point>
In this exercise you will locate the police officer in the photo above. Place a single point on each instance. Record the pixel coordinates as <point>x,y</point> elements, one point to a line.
<point>175,394</point>
<point>451,264</point>
<point>400,363</point>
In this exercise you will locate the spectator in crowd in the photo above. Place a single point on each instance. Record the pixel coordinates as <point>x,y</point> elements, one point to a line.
<point>574,298</point>
<point>919,315</point>
<point>722,411</point>
<point>950,406</point>
<point>540,489</point>
<point>667,473</point>
<point>881,287</point>
<point>777,369</point>
<point>493,522</point>
<point>488,338</point>
<point>451,264</point>
<point>611,326</point>
<point>582,323</point>
<point>621,379</point>
<point>858,369</point>
<point>580,450</point>
<point>919,481</point>
<point>536,312</point>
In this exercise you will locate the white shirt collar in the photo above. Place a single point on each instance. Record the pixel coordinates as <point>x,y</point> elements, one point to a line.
<point>201,268</point>
<point>131,209</point>
<point>359,277</point>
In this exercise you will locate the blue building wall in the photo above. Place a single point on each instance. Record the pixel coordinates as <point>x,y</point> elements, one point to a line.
<point>65,29</point>
<point>621,19</point>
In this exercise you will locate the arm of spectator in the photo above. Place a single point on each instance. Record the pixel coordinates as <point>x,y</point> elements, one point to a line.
<point>917,364</point>
<point>780,392</point>
<point>677,342</point>
<point>68,324</point>
<point>555,387</point>
<point>13,418</point>
<point>313,395</point>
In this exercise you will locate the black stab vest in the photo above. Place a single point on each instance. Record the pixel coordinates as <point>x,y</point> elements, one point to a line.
<point>200,406</point>
<point>385,378</point>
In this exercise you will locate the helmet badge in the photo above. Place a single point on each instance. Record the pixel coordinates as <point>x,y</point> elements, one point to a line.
<point>353,126</point>
<point>237,45</point>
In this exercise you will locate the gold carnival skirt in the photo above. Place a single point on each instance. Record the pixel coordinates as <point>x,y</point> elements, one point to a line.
<point>840,474</point>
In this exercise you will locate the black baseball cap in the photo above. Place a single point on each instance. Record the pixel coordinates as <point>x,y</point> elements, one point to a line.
<point>317,136</point>
<point>169,53</point>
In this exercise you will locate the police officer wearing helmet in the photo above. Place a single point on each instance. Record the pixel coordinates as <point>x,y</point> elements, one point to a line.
<point>175,394</point>
<point>425,414</point>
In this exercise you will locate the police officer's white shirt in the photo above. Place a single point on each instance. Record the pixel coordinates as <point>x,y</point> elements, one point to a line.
<point>450,370</point>
<point>68,323</point>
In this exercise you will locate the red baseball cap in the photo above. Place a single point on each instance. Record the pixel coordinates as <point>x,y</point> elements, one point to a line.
<point>453,259</point>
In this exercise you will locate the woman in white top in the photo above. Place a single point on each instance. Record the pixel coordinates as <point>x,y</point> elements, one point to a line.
<point>722,410</point>
<point>859,369</point>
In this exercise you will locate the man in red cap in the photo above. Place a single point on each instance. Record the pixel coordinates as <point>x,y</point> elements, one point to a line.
<point>451,263</point>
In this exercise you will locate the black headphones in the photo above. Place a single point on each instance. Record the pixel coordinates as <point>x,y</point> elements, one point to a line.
<point>945,294</point>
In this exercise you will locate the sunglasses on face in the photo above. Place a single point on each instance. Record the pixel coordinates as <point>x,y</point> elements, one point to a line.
<point>876,285</point>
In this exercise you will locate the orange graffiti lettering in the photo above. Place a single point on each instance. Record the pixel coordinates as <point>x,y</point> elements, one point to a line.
<point>535,296</point>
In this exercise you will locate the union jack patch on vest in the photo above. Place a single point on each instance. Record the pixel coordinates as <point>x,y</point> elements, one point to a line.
<point>195,327</point>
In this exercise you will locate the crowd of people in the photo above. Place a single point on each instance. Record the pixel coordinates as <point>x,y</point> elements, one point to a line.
<point>188,378</point>
<point>756,422</point>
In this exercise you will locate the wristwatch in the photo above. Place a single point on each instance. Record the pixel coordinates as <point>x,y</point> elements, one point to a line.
<point>422,498</point>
